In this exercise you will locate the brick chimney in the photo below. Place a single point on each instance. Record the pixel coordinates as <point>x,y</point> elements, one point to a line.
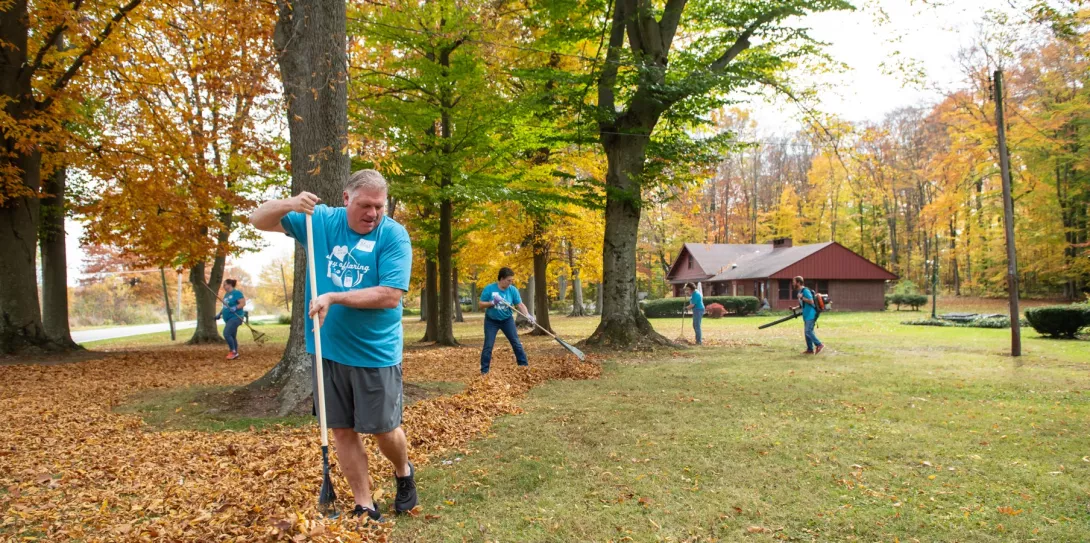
<point>781,243</point>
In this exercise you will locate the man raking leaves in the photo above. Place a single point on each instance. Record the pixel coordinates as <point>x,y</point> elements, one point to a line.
<point>354,327</point>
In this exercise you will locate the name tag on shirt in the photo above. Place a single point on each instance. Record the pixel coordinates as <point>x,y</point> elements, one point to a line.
<point>366,245</point>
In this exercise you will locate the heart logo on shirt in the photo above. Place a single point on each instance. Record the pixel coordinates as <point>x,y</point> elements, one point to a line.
<point>340,251</point>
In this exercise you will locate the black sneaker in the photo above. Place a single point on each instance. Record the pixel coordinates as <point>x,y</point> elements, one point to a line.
<point>372,514</point>
<point>406,492</point>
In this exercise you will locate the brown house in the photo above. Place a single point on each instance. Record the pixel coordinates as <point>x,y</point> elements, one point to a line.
<point>765,271</point>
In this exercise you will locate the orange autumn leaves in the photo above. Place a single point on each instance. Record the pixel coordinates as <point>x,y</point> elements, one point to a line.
<point>74,469</point>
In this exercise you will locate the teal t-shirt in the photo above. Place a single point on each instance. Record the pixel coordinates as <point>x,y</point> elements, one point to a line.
<point>809,312</point>
<point>697,300</point>
<point>346,261</point>
<point>511,294</point>
<point>230,305</point>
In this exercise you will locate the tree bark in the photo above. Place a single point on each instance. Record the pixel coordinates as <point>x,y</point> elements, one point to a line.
<point>55,261</point>
<point>458,317</point>
<point>431,298</point>
<point>577,308</point>
<point>424,304</point>
<point>473,295</point>
<point>541,282</point>
<point>311,40</point>
<point>21,327</point>
<point>623,325</point>
<point>445,335</point>
<point>598,299</point>
<point>207,331</point>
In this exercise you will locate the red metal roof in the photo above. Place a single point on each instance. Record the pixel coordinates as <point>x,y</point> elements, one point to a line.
<point>730,262</point>
<point>835,262</point>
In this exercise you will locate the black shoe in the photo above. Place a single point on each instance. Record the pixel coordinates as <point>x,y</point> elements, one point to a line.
<point>406,492</point>
<point>372,514</point>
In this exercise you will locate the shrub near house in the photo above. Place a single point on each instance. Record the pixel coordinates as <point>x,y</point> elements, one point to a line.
<point>672,307</point>
<point>1059,320</point>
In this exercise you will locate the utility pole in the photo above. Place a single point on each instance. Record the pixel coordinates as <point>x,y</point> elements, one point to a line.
<point>1008,217</point>
<point>935,278</point>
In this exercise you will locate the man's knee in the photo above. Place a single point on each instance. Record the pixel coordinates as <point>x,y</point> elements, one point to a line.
<point>392,434</point>
<point>345,435</point>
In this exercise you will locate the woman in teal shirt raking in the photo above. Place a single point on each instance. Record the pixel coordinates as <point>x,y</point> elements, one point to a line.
<point>232,313</point>
<point>696,305</point>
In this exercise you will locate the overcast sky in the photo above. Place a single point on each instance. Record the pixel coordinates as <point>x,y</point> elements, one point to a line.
<point>930,36</point>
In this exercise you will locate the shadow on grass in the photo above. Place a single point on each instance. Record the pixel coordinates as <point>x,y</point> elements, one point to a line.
<point>225,408</point>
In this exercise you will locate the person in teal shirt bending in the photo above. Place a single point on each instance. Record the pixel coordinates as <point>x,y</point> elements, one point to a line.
<point>497,300</point>
<point>696,305</point>
<point>232,314</point>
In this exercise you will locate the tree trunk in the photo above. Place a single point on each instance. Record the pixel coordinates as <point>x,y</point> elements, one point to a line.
<point>598,299</point>
<point>207,331</point>
<point>311,41</point>
<point>431,298</point>
<point>458,317</point>
<point>290,375</point>
<point>577,308</point>
<point>55,261</point>
<point>446,297</point>
<point>528,296</point>
<point>541,283</point>
<point>473,295</point>
<point>424,304</point>
<point>562,288</point>
<point>21,327</point>
<point>623,325</point>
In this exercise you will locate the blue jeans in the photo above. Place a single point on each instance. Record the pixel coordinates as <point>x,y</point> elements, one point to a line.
<point>230,333</point>
<point>811,339</point>
<point>698,316</point>
<point>492,326</point>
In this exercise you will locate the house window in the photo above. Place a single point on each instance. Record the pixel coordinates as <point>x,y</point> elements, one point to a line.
<point>689,262</point>
<point>785,289</point>
<point>821,286</point>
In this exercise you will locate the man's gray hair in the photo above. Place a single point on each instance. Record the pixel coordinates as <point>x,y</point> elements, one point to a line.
<point>365,179</point>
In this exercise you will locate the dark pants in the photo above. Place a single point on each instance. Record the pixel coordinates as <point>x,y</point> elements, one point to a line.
<point>698,317</point>
<point>508,326</point>
<point>230,333</point>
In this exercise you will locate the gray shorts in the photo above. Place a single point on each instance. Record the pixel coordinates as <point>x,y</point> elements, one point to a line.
<point>368,400</point>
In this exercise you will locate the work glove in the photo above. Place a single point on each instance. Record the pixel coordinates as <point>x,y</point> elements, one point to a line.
<point>532,319</point>
<point>497,300</point>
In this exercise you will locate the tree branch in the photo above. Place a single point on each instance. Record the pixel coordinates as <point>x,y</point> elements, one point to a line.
<point>53,40</point>
<point>671,18</point>
<point>742,43</point>
<point>608,78</point>
<point>72,70</point>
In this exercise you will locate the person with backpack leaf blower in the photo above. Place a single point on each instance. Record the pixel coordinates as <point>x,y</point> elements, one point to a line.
<point>810,305</point>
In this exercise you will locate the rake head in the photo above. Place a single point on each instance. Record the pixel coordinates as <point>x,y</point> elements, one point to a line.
<point>259,337</point>
<point>327,498</point>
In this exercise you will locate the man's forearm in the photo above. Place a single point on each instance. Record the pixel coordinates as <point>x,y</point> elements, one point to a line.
<point>368,298</point>
<point>267,216</point>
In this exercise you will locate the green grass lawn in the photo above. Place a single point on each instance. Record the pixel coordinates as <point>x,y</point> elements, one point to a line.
<point>894,433</point>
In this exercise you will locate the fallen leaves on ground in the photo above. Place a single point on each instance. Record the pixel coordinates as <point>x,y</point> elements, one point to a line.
<point>73,469</point>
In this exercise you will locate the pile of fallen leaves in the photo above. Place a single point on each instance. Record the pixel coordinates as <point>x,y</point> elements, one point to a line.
<point>73,469</point>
